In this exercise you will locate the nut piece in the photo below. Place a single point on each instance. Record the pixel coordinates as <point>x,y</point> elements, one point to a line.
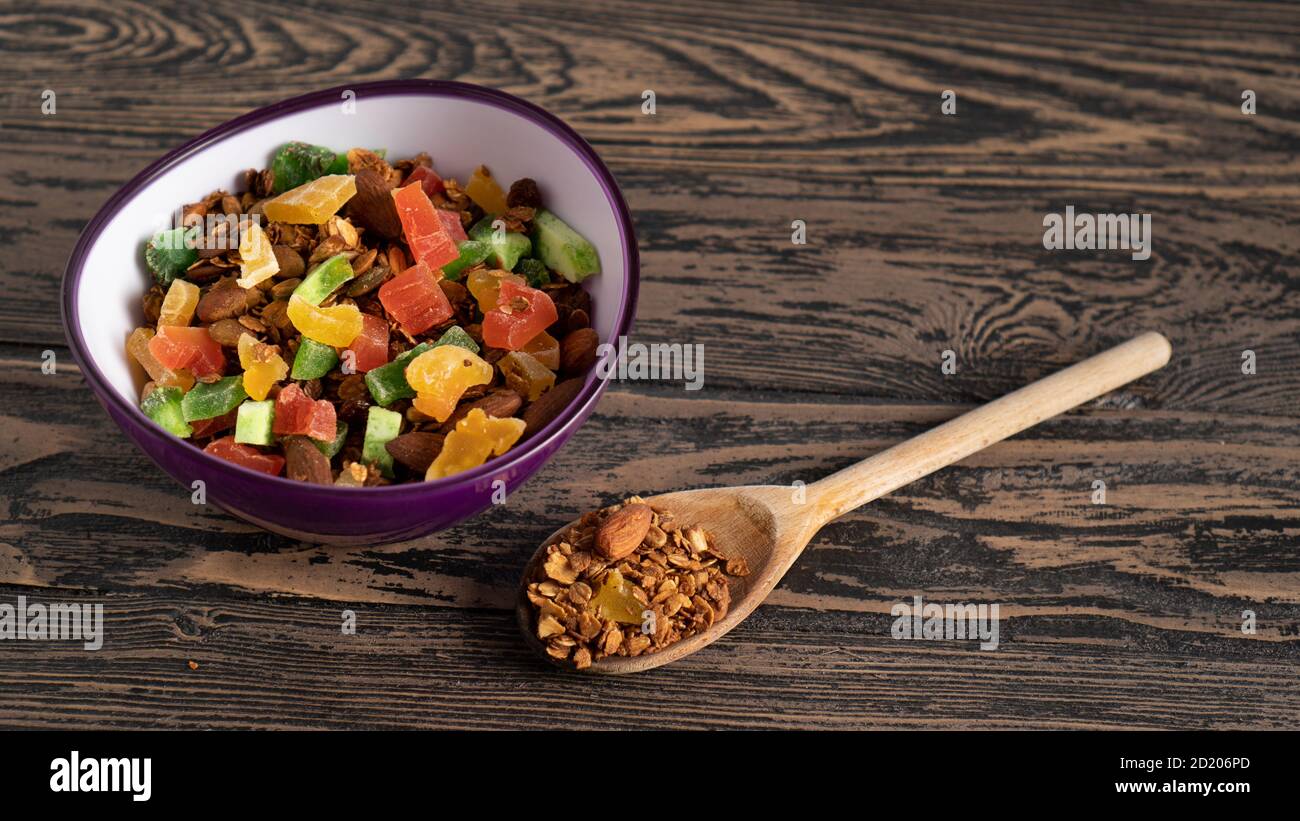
<point>290,262</point>
<point>501,403</point>
<point>622,531</point>
<point>578,351</point>
<point>225,301</point>
<point>305,462</point>
<point>372,205</point>
<point>416,450</point>
<point>549,405</point>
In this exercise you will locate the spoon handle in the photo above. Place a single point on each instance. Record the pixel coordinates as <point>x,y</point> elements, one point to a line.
<point>956,439</point>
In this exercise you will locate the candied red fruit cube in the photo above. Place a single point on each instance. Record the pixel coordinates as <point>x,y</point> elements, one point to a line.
<point>415,299</point>
<point>296,412</point>
<point>178,346</point>
<point>246,455</point>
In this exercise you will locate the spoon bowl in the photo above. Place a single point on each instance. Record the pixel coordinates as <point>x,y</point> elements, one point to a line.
<point>756,523</point>
<point>770,525</point>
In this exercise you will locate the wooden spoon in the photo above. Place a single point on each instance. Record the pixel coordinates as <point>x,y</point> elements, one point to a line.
<point>769,525</point>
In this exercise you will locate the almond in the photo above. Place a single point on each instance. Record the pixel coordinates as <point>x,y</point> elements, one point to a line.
<point>290,262</point>
<point>415,450</point>
<point>224,301</point>
<point>622,531</point>
<point>226,332</point>
<point>304,462</point>
<point>372,205</point>
<point>502,404</point>
<point>578,351</point>
<point>550,405</point>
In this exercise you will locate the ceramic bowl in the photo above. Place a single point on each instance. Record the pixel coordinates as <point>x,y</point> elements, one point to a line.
<point>460,126</point>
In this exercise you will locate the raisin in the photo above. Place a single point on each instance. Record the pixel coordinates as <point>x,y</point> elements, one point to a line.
<point>523,192</point>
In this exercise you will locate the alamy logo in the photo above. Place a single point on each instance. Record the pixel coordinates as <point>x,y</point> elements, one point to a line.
<point>55,622</point>
<point>75,774</point>
<point>1098,232</point>
<point>655,361</point>
<point>946,621</point>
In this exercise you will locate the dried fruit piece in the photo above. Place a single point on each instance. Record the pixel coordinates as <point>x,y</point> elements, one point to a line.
<point>414,299</point>
<point>163,405</point>
<point>312,203</point>
<point>336,326</point>
<point>475,438</point>
<point>545,349</point>
<point>524,193</point>
<point>440,375</point>
<point>525,375</point>
<point>137,346</point>
<point>615,601</point>
<point>382,426</point>
<point>208,399</point>
<point>534,272</point>
<point>331,448</point>
<point>169,253</point>
<point>370,348</point>
<point>253,422</point>
<point>257,258</point>
<point>296,412</point>
<point>455,335</point>
<point>297,163</point>
<point>427,178</point>
<point>177,347</point>
<point>485,285</point>
<point>506,247</point>
<point>563,249</point>
<point>521,313</point>
<point>325,279</point>
<point>387,383</point>
<point>230,450</point>
<point>431,233</point>
<point>262,366</point>
<point>485,191</point>
<point>471,252</point>
<point>313,359</point>
<point>203,428</point>
<point>179,304</point>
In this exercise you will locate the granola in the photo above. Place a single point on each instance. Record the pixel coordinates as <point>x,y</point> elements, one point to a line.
<point>626,580</point>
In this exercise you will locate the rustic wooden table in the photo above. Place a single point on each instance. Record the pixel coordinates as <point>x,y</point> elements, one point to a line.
<point>924,235</point>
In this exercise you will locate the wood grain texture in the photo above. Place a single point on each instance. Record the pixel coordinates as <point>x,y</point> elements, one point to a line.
<point>924,235</point>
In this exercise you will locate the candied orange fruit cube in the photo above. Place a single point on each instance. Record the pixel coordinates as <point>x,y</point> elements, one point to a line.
<point>257,262</point>
<point>312,203</point>
<point>179,303</point>
<point>475,438</point>
<point>263,366</point>
<point>337,325</point>
<point>440,376</point>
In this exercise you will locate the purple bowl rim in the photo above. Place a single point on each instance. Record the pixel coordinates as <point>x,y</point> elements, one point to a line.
<point>591,389</point>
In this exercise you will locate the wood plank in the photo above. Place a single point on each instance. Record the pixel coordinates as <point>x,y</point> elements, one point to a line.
<point>925,231</point>
<point>286,664</point>
<point>1199,521</point>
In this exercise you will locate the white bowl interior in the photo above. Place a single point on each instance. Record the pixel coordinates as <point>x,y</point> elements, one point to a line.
<point>459,135</point>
